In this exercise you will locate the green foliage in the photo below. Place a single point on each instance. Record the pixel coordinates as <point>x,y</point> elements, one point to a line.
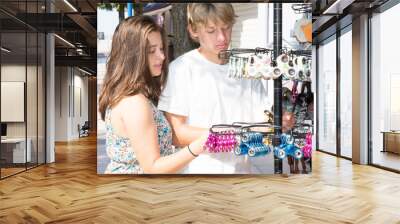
<point>120,7</point>
<point>110,6</point>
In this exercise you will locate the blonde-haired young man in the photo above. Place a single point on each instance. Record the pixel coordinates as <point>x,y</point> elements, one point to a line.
<point>199,92</point>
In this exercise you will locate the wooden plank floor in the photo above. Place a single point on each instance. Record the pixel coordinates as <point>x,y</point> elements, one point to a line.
<point>70,191</point>
<point>10,171</point>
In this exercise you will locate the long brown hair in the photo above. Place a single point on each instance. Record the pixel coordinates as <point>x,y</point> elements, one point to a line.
<point>128,72</point>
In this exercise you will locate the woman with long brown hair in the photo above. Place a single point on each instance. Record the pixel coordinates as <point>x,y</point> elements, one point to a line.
<point>138,137</point>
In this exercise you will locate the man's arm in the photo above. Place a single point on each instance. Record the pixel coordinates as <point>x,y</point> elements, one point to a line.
<point>288,121</point>
<point>183,134</point>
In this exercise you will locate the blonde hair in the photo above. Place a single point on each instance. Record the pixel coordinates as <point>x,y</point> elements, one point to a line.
<point>201,13</point>
<point>128,70</point>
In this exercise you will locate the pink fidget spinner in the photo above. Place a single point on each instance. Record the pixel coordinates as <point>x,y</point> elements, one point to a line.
<point>220,142</point>
<point>307,149</point>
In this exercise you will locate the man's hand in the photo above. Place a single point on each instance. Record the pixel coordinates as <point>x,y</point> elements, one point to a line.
<point>288,121</point>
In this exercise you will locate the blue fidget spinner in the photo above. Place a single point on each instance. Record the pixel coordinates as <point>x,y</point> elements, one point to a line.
<point>287,148</point>
<point>252,145</point>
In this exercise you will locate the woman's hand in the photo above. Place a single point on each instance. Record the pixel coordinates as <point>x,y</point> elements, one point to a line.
<point>197,146</point>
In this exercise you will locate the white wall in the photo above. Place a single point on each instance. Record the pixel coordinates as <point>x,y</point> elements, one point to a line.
<point>61,103</point>
<point>12,73</point>
<point>13,101</point>
<point>252,29</point>
<point>70,83</point>
<point>33,127</point>
<point>80,83</point>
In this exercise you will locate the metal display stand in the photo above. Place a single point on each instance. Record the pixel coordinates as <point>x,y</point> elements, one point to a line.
<point>277,84</point>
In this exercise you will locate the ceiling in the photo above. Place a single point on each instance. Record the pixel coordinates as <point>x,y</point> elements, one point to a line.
<point>74,22</point>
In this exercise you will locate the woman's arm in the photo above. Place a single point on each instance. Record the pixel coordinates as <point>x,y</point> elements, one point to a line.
<point>137,117</point>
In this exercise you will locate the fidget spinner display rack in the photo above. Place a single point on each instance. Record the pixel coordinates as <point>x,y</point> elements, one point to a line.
<point>240,138</point>
<point>276,51</point>
<point>256,139</point>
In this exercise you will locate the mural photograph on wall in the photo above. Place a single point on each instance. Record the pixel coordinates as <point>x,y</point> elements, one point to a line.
<point>204,88</point>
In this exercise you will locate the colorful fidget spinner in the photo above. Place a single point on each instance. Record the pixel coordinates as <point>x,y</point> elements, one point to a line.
<point>302,65</point>
<point>307,148</point>
<point>252,144</point>
<point>299,64</point>
<point>259,66</point>
<point>286,65</point>
<point>221,142</point>
<point>275,72</point>
<point>259,150</point>
<point>287,148</point>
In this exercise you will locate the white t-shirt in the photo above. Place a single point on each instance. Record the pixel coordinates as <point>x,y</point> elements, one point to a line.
<point>202,91</point>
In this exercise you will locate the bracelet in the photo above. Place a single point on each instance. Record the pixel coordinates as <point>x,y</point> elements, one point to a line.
<point>192,152</point>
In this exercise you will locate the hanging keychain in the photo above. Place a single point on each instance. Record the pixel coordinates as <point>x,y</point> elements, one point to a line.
<point>282,61</point>
<point>243,69</point>
<point>283,64</point>
<point>300,64</point>
<point>231,67</point>
<point>251,66</point>
<point>238,71</point>
<point>266,66</point>
<point>259,67</point>
<point>241,66</point>
<point>289,71</point>
<point>231,72</point>
<point>236,66</point>
<point>307,71</point>
<point>276,72</point>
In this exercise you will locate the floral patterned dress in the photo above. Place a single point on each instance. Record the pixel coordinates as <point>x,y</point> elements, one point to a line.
<point>119,149</point>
